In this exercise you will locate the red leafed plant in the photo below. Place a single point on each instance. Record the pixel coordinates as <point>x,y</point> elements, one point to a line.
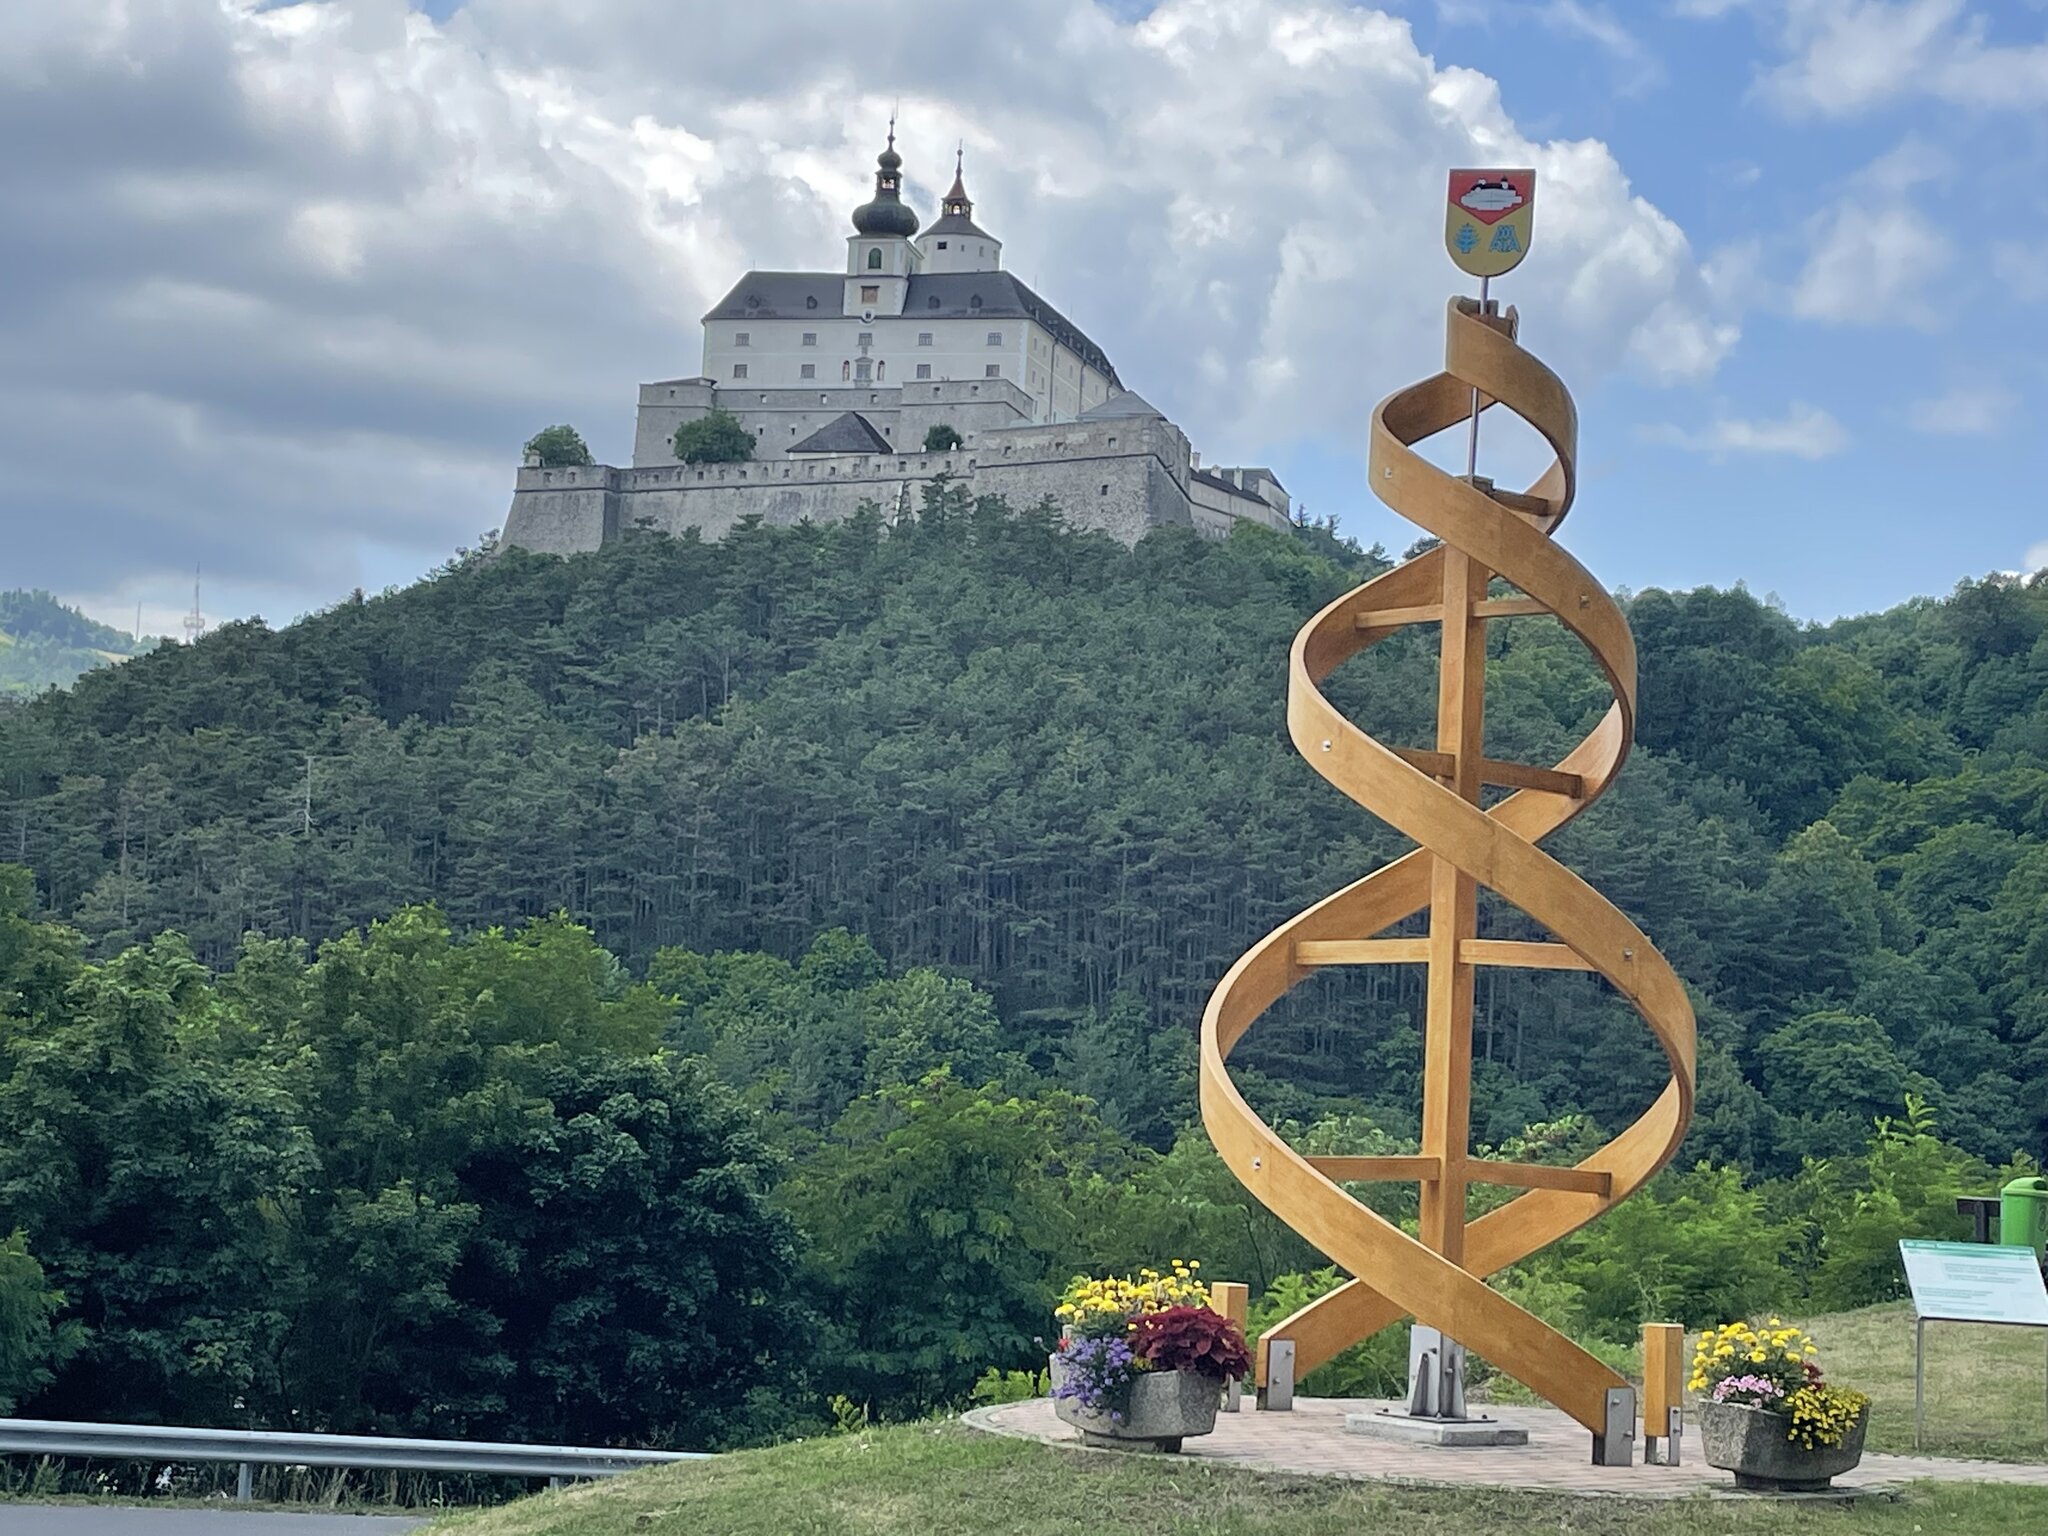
<point>1191,1339</point>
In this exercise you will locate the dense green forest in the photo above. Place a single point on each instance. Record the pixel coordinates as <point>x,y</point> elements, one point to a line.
<point>796,942</point>
<point>46,644</point>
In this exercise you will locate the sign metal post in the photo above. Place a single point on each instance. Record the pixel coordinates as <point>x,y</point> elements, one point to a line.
<point>1968,1283</point>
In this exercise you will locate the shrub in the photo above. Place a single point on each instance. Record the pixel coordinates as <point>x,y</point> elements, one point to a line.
<point>557,446</point>
<point>717,438</point>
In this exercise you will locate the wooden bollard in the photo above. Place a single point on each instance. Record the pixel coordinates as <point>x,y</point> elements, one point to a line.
<point>1663,1392</point>
<point>1234,1302</point>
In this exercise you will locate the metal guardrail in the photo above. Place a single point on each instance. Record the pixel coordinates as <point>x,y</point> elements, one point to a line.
<point>252,1448</point>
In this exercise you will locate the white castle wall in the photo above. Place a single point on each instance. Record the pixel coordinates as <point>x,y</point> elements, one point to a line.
<point>1124,476</point>
<point>779,418</point>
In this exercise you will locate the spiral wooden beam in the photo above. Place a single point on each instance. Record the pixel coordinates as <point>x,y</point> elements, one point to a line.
<point>1434,797</point>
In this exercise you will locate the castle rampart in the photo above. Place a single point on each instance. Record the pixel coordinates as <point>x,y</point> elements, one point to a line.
<point>1124,476</point>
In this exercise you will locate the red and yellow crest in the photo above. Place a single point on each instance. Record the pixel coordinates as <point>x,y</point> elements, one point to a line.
<point>1489,218</point>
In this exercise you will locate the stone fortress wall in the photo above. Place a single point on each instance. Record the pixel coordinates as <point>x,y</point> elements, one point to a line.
<point>1122,473</point>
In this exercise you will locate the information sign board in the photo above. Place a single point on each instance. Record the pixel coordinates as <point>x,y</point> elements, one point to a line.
<point>1975,1282</point>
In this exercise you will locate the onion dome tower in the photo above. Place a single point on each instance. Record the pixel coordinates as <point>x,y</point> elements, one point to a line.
<point>880,258</point>
<point>954,242</point>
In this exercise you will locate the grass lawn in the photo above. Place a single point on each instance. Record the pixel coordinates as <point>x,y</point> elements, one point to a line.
<point>1987,1387</point>
<point>918,1479</point>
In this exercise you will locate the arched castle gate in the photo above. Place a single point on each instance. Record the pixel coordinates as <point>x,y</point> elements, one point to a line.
<point>1434,797</point>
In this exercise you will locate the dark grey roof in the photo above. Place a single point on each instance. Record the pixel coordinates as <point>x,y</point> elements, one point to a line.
<point>957,224</point>
<point>849,433</point>
<point>1229,487</point>
<point>785,294</point>
<point>941,295</point>
<point>1125,402</point>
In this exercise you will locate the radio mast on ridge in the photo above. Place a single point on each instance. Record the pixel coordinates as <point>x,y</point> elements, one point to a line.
<point>195,621</point>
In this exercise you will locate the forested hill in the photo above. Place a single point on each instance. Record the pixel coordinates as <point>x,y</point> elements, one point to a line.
<point>1058,767</point>
<point>45,644</point>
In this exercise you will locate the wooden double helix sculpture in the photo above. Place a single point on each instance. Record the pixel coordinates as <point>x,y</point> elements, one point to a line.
<point>1434,797</point>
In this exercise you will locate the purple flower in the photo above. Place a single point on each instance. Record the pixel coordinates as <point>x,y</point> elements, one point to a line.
<point>1098,1375</point>
<point>1754,1390</point>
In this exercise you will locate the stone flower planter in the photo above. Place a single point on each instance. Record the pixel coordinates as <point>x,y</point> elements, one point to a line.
<point>1752,1443</point>
<point>1166,1407</point>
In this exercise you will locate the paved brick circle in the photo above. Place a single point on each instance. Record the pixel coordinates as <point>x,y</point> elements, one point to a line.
<point>1311,1441</point>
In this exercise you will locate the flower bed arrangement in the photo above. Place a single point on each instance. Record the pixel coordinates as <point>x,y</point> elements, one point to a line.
<point>1768,1415</point>
<point>1144,1361</point>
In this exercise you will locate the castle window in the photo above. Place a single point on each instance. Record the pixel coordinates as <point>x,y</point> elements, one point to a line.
<point>845,371</point>
<point>824,399</point>
<point>924,338</point>
<point>992,371</point>
<point>809,371</point>
<point>874,258</point>
<point>739,370</point>
<point>995,338</point>
<point>742,339</point>
<point>924,370</point>
<point>810,301</point>
<point>867,338</point>
<point>870,293</point>
<point>881,371</point>
<point>792,431</point>
<point>810,338</point>
<point>1105,489</point>
<point>942,245</point>
<point>932,302</point>
<point>974,302</point>
<point>1112,442</point>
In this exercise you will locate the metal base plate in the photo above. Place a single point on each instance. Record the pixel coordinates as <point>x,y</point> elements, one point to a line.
<point>1388,1425</point>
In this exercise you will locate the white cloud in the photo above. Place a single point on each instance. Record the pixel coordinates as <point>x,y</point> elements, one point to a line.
<point>1599,26</point>
<point>326,265</point>
<point>1871,264</point>
<point>1847,56</point>
<point>2021,270</point>
<point>1964,411</point>
<point>1805,432</point>
<point>2036,557</point>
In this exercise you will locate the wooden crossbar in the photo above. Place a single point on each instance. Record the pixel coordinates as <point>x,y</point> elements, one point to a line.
<point>1530,956</point>
<point>1433,613</point>
<point>1585,1181</point>
<point>1493,770</point>
<point>1360,1170</point>
<point>1509,608</point>
<point>1394,618</point>
<point>1528,506</point>
<point>1366,1169</point>
<point>1360,951</point>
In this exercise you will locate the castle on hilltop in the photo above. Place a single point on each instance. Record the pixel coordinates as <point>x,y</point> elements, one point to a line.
<point>839,376</point>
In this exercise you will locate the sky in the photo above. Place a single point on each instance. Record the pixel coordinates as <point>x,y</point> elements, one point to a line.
<point>289,285</point>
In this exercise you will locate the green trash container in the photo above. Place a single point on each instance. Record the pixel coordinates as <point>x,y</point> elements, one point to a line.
<point>2023,1214</point>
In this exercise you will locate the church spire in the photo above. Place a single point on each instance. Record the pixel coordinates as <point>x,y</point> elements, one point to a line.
<point>886,213</point>
<point>956,199</point>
